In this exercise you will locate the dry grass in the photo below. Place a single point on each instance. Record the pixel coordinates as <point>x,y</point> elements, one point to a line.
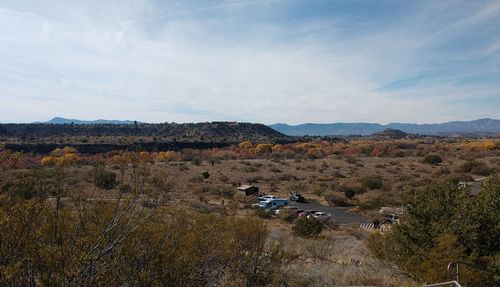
<point>338,258</point>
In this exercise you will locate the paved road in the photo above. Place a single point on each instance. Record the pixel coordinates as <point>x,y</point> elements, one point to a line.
<point>339,214</point>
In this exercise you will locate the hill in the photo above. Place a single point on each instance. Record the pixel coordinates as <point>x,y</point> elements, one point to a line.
<point>481,126</point>
<point>214,131</point>
<point>389,134</point>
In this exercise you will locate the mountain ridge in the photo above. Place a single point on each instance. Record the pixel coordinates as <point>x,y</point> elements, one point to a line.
<point>206,131</point>
<point>484,125</point>
<point>62,121</point>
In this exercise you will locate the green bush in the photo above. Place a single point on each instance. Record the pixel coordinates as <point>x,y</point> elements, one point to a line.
<point>349,193</point>
<point>287,215</point>
<point>372,182</point>
<point>337,200</point>
<point>308,227</point>
<point>262,213</point>
<point>476,167</point>
<point>105,179</point>
<point>353,189</point>
<point>432,159</point>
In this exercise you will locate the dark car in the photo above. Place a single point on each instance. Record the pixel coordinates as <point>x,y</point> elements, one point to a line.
<point>295,196</point>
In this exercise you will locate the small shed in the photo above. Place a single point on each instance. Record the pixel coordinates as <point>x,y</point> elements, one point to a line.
<point>248,189</point>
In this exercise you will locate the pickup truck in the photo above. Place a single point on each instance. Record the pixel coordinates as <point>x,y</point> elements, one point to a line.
<point>295,196</point>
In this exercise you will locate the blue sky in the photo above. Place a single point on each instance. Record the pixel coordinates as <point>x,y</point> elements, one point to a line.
<point>263,61</point>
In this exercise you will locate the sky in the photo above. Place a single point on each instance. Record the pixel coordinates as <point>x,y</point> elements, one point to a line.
<point>267,61</point>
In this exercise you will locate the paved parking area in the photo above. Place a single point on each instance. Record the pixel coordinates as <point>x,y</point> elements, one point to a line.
<point>339,214</point>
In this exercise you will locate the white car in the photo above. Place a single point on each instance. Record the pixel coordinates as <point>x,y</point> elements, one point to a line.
<point>266,197</point>
<point>322,216</point>
<point>392,219</point>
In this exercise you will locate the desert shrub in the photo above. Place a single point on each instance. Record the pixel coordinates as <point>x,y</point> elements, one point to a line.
<point>399,153</point>
<point>183,167</point>
<point>126,188</point>
<point>476,167</point>
<point>205,174</point>
<point>307,227</point>
<point>381,245</point>
<point>275,169</point>
<point>196,161</point>
<point>286,177</point>
<point>354,189</point>
<point>224,178</point>
<point>263,213</point>
<point>287,215</point>
<point>350,159</point>
<point>320,189</point>
<point>442,171</point>
<point>251,168</point>
<point>197,179</point>
<point>432,159</point>
<point>372,182</point>
<point>374,202</point>
<point>338,174</point>
<point>218,190</point>
<point>349,193</point>
<point>30,184</point>
<point>337,200</point>
<point>105,179</point>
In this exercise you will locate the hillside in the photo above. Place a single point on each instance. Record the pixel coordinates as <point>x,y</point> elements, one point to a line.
<point>389,134</point>
<point>214,131</point>
<point>481,126</point>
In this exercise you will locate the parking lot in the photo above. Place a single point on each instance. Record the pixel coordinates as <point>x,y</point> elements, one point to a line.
<point>338,214</point>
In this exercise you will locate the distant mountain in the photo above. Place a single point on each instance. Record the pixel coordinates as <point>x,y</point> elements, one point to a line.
<point>328,129</point>
<point>63,121</point>
<point>481,126</point>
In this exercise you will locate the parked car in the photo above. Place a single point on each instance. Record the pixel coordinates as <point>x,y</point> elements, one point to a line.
<point>306,213</point>
<point>266,197</point>
<point>298,211</point>
<point>321,216</point>
<point>295,196</point>
<point>392,218</point>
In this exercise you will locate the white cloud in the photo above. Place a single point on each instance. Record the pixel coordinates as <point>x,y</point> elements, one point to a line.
<point>172,61</point>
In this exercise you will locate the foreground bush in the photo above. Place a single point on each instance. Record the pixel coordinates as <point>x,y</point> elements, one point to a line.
<point>308,227</point>
<point>123,245</point>
<point>444,224</point>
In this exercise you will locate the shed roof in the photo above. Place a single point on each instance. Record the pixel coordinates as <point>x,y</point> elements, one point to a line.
<point>246,186</point>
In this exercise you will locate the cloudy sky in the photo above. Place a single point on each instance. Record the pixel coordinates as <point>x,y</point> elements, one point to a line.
<point>266,61</point>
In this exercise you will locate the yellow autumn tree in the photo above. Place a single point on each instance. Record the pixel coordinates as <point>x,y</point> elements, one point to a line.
<point>246,145</point>
<point>48,160</point>
<point>263,148</point>
<point>278,148</point>
<point>166,156</point>
<point>489,145</point>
